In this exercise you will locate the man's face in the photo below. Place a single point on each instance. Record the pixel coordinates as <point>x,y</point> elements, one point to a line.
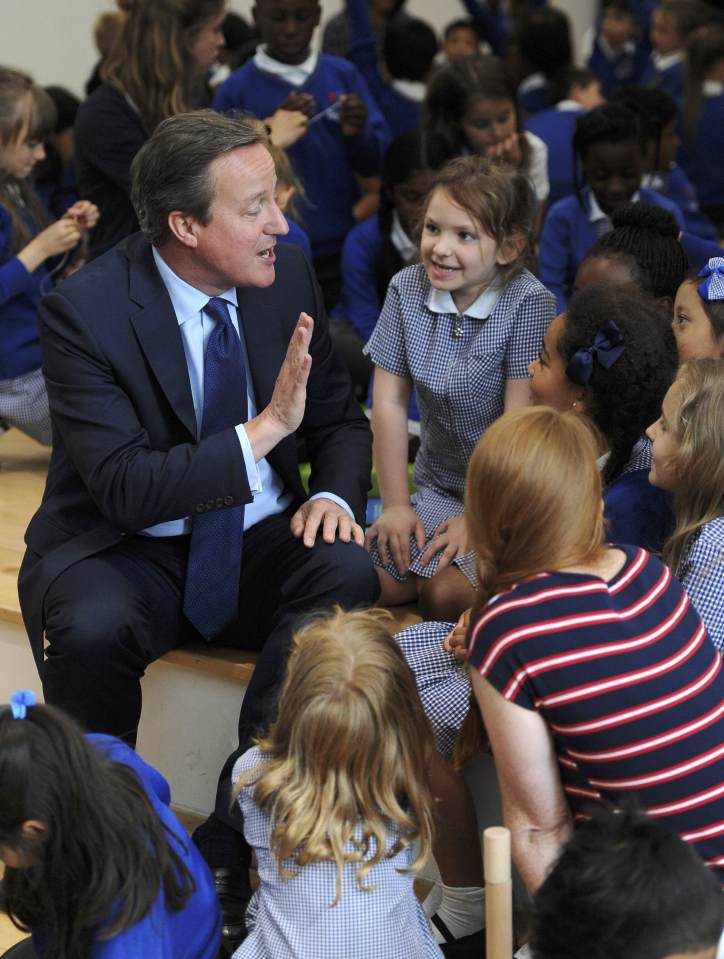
<point>236,246</point>
<point>286,26</point>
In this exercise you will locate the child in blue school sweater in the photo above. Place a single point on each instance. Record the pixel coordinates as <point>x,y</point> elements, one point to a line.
<point>96,864</point>
<point>671,24</point>
<point>346,135</point>
<point>618,53</point>
<point>607,144</point>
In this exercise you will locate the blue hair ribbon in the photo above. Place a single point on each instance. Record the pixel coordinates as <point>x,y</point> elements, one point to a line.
<point>712,288</point>
<point>19,702</point>
<point>607,348</point>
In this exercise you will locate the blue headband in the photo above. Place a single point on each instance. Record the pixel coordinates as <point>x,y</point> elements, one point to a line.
<point>19,702</point>
<point>607,347</point>
<point>712,288</point>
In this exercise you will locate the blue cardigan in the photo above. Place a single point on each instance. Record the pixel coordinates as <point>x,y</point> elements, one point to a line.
<point>702,157</point>
<point>20,294</point>
<point>567,236</point>
<point>325,161</point>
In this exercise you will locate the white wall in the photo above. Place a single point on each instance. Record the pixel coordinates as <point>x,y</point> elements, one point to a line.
<point>52,38</point>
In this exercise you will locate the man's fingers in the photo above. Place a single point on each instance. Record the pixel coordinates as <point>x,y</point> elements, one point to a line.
<point>330,523</point>
<point>358,534</point>
<point>296,524</point>
<point>311,525</point>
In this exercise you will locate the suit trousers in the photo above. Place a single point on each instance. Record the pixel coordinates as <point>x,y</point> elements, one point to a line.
<point>110,615</point>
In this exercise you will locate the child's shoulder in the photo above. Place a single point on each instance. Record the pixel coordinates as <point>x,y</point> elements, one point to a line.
<point>412,281</point>
<point>248,761</point>
<point>524,286</point>
<point>338,65</point>
<point>709,543</point>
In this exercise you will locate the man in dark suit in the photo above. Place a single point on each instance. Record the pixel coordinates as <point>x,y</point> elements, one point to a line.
<point>174,506</point>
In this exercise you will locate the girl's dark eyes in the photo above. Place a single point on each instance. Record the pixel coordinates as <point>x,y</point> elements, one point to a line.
<point>682,318</point>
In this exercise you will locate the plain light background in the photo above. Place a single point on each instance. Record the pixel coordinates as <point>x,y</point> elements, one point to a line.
<point>52,39</point>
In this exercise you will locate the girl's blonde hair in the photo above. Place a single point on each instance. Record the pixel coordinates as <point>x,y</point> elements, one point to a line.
<point>699,462</point>
<point>348,755</point>
<point>533,499</point>
<point>26,110</point>
<point>497,197</point>
<point>151,61</point>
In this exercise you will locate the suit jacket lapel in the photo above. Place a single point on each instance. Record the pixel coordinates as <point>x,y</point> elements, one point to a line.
<point>157,330</point>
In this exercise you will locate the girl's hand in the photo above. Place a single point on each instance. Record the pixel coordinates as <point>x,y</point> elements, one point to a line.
<point>286,126</point>
<point>393,530</point>
<point>450,537</point>
<point>508,150</point>
<point>456,640</point>
<point>60,236</point>
<point>84,213</point>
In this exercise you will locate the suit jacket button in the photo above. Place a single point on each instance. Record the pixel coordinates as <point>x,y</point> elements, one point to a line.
<point>228,500</point>
<point>200,507</point>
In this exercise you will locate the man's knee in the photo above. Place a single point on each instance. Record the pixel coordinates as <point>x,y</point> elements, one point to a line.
<point>88,627</point>
<point>348,567</point>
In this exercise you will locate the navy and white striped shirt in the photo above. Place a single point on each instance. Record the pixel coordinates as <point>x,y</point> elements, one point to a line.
<point>629,684</point>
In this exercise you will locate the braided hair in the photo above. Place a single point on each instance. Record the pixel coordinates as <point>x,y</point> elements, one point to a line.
<point>626,397</point>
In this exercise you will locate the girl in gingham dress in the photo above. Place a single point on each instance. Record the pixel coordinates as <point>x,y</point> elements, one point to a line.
<point>461,327</point>
<point>688,459</point>
<point>336,802</point>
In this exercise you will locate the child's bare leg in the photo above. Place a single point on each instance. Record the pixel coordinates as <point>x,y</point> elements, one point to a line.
<point>446,595</point>
<point>458,854</point>
<point>394,593</point>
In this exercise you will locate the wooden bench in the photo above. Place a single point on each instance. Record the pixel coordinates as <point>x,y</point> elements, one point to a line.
<point>191,695</point>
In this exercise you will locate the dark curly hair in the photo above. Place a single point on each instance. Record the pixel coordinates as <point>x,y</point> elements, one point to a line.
<point>646,238</point>
<point>624,399</point>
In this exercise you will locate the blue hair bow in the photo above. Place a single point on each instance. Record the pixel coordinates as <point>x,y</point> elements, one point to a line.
<point>607,347</point>
<point>713,286</point>
<point>19,702</point>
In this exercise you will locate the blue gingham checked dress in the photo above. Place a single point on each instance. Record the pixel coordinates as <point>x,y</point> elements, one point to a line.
<point>701,573</point>
<point>459,365</point>
<point>294,919</point>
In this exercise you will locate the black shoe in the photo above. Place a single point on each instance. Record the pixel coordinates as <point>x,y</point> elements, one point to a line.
<point>233,892</point>
<point>466,947</point>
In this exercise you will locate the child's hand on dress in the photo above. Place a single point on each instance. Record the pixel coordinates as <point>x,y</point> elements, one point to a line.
<point>450,537</point>
<point>353,114</point>
<point>393,530</point>
<point>456,641</point>
<point>507,150</point>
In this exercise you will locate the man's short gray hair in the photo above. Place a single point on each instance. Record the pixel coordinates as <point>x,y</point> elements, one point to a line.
<point>171,170</point>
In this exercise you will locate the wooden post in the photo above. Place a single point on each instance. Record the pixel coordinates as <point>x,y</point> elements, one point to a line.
<point>498,893</point>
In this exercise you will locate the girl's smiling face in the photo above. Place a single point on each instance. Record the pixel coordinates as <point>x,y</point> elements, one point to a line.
<point>549,384</point>
<point>695,337</point>
<point>664,443</point>
<point>19,156</point>
<point>456,252</point>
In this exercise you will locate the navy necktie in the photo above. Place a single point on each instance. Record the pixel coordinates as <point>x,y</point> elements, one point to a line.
<point>211,595</point>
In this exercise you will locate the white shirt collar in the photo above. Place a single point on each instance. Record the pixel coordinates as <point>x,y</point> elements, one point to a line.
<point>401,241</point>
<point>712,88</point>
<point>412,89</point>
<point>441,301</point>
<point>187,300</point>
<point>296,74</point>
<point>568,106</point>
<point>627,49</point>
<point>662,61</point>
<point>595,213</point>
<point>533,81</point>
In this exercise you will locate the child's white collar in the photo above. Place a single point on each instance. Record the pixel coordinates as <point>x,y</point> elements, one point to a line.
<point>441,301</point>
<point>662,61</point>
<point>294,73</point>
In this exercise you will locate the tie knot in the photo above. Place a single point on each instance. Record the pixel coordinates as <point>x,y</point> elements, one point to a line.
<point>217,309</point>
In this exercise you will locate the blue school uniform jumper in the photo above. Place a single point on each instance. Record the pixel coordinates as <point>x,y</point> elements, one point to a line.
<point>297,235</point>
<point>616,68</point>
<point>701,157</point>
<point>571,227</point>
<point>325,161</point>
<point>676,185</point>
<point>555,127</point>
<point>666,73</point>
<point>192,933</point>
<point>20,293</point>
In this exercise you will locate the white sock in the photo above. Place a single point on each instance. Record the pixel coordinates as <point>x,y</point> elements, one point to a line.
<point>462,910</point>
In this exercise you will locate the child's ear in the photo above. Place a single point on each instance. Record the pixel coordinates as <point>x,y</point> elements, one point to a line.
<point>580,399</point>
<point>34,830</point>
<point>510,250</point>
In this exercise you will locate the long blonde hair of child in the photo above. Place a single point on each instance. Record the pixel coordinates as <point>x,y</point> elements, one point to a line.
<point>348,756</point>
<point>699,462</point>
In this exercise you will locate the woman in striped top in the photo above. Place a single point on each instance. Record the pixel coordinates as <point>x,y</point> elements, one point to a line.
<point>595,677</point>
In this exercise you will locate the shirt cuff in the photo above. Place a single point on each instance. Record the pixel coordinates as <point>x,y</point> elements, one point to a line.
<point>335,499</point>
<point>252,473</point>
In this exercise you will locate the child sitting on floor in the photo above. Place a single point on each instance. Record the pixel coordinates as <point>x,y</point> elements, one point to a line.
<point>336,801</point>
<point>96,864</point>
<point>688,460</point>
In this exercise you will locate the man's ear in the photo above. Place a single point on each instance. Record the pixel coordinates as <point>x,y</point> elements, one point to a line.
<point>183,228</point>
<point>510,250</point>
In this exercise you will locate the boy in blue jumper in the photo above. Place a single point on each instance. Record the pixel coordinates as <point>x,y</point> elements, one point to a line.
<point>619,55</point>
<point>574,91</point>
<point>346,135</point>
<point>671,23</point>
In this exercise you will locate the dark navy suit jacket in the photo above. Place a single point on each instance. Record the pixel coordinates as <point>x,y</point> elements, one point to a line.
<point>125,453</point>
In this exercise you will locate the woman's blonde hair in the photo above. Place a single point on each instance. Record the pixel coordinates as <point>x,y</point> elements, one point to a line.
<point>151,61</point>
<point>533,498</point>
<point>699,462</point>
<point>348,755</point>
<point>497,197</point>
